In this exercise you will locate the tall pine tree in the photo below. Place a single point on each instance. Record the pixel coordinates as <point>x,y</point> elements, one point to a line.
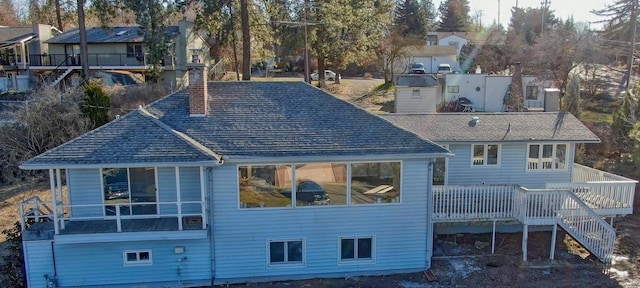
<point>454,15</point>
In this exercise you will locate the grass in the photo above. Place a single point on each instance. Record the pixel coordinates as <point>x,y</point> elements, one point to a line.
<point>596,117</point>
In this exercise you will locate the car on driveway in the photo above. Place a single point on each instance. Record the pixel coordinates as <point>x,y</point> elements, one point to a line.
<point>328,75</point>
<point>417,68</point>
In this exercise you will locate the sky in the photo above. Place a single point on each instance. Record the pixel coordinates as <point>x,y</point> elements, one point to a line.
<point>563,9</point>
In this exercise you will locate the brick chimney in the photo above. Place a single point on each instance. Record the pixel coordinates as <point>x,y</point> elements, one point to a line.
<point>197,89</point>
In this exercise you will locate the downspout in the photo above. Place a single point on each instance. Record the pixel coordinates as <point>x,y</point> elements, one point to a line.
<point>209,195</point>
<point>429,220</point>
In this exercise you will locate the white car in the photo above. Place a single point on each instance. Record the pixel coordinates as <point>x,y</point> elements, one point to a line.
<point>328,75</point>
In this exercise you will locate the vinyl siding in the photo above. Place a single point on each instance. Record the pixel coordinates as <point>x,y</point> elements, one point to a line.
<point>40,262</point>
<point>167,189</point>
<point>426,103</point>
<point>512,168</point>
<point>190,189</point>
<point>241,235</point>
<point>82,265</point>
<point>85,188</point>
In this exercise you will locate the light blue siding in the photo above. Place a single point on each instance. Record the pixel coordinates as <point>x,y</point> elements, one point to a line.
<point>40,263</point>
<point>241,235</point>
<point>167,189</point>
<point>85,188</point>
<point>512,168</point>
<point>190,189</point>
<point>87,264</point>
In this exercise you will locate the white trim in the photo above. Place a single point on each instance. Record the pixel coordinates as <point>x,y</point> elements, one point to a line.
<point>178,198</point>
<point>138,262</point>
<point>286,263</point>
<point>553,157</point>
<point>485,155</point>
<point>356,260</point>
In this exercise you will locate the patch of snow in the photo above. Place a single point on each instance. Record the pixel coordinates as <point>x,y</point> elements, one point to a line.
<point>618,258</point>
<point>464,267</point>
<point>619,273</point>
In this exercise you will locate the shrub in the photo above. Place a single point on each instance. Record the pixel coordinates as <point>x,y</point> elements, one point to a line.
<point>12,272</point>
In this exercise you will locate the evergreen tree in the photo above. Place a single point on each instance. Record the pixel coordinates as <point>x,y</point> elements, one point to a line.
<point>454,15</point>
<point>571,99</point>
<point>411,19</point>
<point>625,118</point>
<point>95,105</point>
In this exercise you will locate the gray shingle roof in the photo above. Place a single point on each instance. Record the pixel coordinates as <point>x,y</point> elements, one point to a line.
<point>249,119</point>
<point>416,80</point>
<point>495,127</point>
<point>13,34</point>
<point>133,138</point>
<point>118,34</point>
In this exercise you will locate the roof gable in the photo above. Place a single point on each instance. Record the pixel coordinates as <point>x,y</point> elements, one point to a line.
<point>14,34</point>
<point>496,127</point>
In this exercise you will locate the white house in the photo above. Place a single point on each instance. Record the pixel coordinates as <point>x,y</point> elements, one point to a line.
<point>416,93</point>
<point>430,56</point>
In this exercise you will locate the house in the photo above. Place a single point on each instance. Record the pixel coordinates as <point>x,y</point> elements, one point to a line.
<point>429,56</point>
<point>227,182</point>
<point>487,93</point>
<point>16,43</point>
<point>118,48</point>
<point>517,168</point>
<point>416,93</point>
<point>458,39</point>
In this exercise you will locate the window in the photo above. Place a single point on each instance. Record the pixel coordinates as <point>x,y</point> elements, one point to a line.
<point>439,171</point>
<point>532,92</point>
<point>547,157</point>
<point>286,252</point>
<point>318,184</point>
<point>415,94</point>
<point>453,89</point>
<point>375,183</point>
<point>134,51</point>
<point>132,189</point>
<point>141,257</point>
<point>358,249</point>
<point>485,155</point>
<point>265,186</point>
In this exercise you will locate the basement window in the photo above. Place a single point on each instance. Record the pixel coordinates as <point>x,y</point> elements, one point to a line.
<point>137,257</point>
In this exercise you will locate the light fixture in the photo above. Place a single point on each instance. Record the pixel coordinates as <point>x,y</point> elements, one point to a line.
<point>178,250</point>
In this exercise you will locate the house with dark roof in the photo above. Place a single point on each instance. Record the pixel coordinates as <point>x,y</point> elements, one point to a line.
<point>16,43</point>
<point>118,48</point>
<point>518,169</point>
<point>227,182</point>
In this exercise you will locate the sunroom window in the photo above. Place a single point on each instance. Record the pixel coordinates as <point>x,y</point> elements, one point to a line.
<point>375,182</point>
<point>547,157</point>
<point>485,154</point>
<point>133,190</point>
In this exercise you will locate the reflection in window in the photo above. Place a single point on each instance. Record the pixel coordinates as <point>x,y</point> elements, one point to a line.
<point>485,155</point>
<point>286,252</point>
<point>321,184</point>
<point>453,89</point>
<point>375,182</point>
<point>356,249</point>
<point>439,171</point>
<point>532,92</point>
<point>133,189</point>
<point>265,186</point>
<point>547,157</point>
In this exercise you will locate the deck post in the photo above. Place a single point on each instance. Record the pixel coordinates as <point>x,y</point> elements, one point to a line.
<point>55,199</point>
<point>178,198</point>
<point>493,238</point>
<point>525,234</point>
<point>553,241</point>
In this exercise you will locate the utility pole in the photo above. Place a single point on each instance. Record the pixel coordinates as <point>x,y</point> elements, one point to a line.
<point>633,21</point>
<point>544,4</point>
<point>498,12</point>
<point>307,73</point>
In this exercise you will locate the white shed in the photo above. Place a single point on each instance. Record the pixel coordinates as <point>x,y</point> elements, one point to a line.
<point>417,94</point>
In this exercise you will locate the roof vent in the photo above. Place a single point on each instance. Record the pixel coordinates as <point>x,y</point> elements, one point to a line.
<point>474,121</point>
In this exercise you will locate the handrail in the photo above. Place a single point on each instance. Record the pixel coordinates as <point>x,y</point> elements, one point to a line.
<point>57,68</point>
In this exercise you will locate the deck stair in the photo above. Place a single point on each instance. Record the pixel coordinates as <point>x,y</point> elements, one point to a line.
<point>62,76</point>
<point>529,207</point>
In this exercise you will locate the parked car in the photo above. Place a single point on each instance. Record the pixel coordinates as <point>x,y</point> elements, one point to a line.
<point>444,69</point>
<point>328,75</point>
<point>310,192</point>
<point>417,68</point>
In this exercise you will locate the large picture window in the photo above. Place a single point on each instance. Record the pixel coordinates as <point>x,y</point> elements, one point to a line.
<point>289,252</point>
<point>357,249</point>
<point>318,184</point>
<point>485,154</point>
<point>131,189</point>
<point>547,157</point>
<point>377,182</point>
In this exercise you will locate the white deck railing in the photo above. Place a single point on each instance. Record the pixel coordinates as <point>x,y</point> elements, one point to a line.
<point>473,202</point>
<point>583,173</point>
<point>33,209</point>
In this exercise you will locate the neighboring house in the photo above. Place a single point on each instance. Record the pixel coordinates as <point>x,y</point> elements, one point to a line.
<point>16,43</point>
<point>487,92</point>
<point>430,56</point>
<point>518,168</point>
<point>417,93</point>
<point>459,39</point>
<point>228,182</point>
<point>118,48</point>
